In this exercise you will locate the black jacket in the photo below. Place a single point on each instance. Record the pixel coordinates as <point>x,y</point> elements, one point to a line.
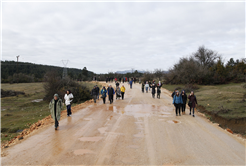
<point>94,92</point>
<point>184,98</point>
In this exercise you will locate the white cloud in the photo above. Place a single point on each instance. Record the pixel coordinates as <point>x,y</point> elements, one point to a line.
<point>115,36</point>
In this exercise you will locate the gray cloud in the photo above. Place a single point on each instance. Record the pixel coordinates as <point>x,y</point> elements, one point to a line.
<point>107,36</point>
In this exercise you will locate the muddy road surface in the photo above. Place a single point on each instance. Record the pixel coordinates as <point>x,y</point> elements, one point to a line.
<point>139,130</point>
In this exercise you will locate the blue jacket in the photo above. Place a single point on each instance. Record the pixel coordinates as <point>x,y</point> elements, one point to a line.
<point>130,82</point>
<point>104,92</point>
<point>177,99</point>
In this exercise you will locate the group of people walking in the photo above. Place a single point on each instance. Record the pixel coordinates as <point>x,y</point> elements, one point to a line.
<point>156,88</point>
<point>180,100</point>
<point>110,92</point>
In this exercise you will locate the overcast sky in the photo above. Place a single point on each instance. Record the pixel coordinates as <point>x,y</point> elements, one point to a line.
<point>112,36</point>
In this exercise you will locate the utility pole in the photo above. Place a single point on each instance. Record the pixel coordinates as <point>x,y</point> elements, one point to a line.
<point>17,62</point>
<point>65,62</point>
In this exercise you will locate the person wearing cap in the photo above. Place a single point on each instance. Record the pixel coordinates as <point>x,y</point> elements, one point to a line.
<point>68,101</point>
<point>122,89</point>
<point>55,107</point>
<point>177,101</point>
<point>104,94</point>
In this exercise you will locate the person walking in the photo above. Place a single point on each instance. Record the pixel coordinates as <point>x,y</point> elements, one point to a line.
<point>123,80</point>
<point>118,92</point>
<point>98,90</point>
<point>111,93</point>
<point>131,83</point>
<point>174,92</point>
<point>192,102</point>
<point>104,94</point>
<point>147,86</point>
<point>153,90</point>
<point>94,94</point>
<point>177,101</point>
<point>122,89</point>
<point>117,84</point>
<point>143,87</point>
<point>55,107</point>
<point>184,98</point>
<point>158,91</point>
<point>68,101</point>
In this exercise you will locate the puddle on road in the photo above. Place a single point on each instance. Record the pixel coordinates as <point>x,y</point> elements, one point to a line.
<point>83,151</point>
<point>90,139</point>
<point>143,110</point>
<point>102,130</point>
<point>173,121</point>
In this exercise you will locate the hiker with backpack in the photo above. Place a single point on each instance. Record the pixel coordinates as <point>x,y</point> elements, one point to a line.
<point>55,107</point>
<point>192,102</point>
<point>184,98</point>
<point>68,101</point>
<point>177,101</point>
<point>104,94</point>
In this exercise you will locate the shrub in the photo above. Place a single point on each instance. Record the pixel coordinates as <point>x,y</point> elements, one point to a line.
<point>55,84</point>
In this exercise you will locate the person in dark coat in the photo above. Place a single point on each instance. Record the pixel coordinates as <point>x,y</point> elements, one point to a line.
<point>117,84</point>
<point>97,88</point>
<point>143,87</point>
<point>94,94</point>
<point>158,91</point>
<point>184,98</point>
<point>192,102</point>
<point>174,92</point>
<point>111,93</point>
<point>153,90</point>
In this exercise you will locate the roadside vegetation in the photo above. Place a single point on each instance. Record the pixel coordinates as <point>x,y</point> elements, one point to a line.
<point>20,112</point>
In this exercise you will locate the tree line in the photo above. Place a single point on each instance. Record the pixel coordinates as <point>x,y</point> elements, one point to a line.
<point>23,72</point>
<point>206,67</point>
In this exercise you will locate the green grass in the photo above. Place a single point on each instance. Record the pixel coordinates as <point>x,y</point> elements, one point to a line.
<point>214,98</point>
<point>18,112</point>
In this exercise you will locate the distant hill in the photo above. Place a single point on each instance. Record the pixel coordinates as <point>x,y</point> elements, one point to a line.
<point>129,71</point>
<point>9,68</point>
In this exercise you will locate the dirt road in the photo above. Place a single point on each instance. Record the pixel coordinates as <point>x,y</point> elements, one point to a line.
<point>138,130</point>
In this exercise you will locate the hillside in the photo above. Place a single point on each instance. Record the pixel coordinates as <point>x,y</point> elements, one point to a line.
<point>9,68</point>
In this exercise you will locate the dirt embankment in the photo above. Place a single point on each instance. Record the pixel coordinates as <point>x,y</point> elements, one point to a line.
<point>47,121</point>
<point>236,125</point>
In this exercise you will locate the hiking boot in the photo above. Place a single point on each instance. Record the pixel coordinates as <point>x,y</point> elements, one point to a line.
<point>176,114</point>
<point>190,113</point>
<point>179,114</point>
<point>55,128</point>
<point>193,115</point>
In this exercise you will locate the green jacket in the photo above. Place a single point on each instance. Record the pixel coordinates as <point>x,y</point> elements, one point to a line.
<point>58,109</point>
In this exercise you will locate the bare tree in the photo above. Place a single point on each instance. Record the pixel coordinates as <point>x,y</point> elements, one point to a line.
<point>206,57</point>
<point>158,73</point>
